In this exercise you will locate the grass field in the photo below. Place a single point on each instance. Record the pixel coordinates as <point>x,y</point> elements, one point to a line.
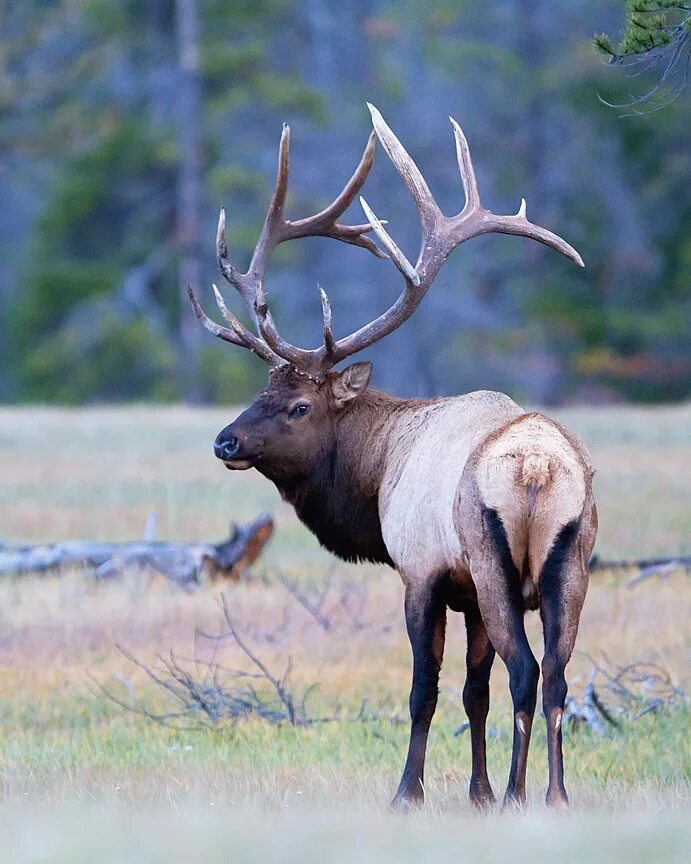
<point>83,780</point>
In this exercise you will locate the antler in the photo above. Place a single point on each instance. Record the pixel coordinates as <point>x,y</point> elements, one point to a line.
<point>269,345</point>
<point>441,234</point>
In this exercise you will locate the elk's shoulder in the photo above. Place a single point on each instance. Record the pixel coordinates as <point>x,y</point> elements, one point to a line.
<point>429,446</point>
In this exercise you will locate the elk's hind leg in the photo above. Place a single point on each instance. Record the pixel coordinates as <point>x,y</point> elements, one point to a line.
<point>563,585</point>
<point>425,616</point>
<point>479,659</point>
<point>501,602</point>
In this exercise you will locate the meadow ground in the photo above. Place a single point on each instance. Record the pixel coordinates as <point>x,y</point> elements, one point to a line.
<point>81,779</point>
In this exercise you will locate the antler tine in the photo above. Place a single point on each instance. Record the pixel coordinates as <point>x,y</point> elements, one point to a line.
<point>222,246</point>
<point>212,326</point>
<point>278,199</point>
<point>398,258</point>
<point>273,231</point>
<point>238,335</point>
<point>465,166</point>
<point>519,225</point>
<point>474,219</point>
<point>324,223</point>
<point>341,203</point>
<point>230,274</point>
<point>249,340</point>
<point>429,211</point>
<point>300,357</point>
<point>327,317</point>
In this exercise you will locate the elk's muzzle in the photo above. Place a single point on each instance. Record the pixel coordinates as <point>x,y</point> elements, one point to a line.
<point>233,450</point>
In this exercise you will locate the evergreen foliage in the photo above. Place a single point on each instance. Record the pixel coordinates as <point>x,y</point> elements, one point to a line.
<point>650,24</point>
<point>656,36</point>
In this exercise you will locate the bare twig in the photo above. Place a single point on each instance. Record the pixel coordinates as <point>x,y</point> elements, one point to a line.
<point>221,694</point>
<point>284,695</point>
<point>312,604</point>
<point>634,690</point>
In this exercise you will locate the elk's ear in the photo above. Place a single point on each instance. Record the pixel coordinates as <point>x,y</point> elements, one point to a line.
<point>348,384</point>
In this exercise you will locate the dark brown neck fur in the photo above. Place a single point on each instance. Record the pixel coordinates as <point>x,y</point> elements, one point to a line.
<point>338,500</point>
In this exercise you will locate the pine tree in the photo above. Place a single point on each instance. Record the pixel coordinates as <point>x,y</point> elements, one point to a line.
<point>657,36</point>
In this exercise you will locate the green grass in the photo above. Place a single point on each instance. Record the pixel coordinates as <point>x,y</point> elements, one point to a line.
<point>83,780</point>
<point>71,745</point>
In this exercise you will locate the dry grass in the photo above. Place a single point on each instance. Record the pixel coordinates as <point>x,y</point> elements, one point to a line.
<point>99,473</point>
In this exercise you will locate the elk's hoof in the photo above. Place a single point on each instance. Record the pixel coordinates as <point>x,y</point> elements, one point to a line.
<point>482,797</point>
<point>408,801</point>
<point>557,801</point>
<point>513,803</point>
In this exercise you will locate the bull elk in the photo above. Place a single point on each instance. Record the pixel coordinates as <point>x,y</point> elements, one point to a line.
<point>482,507</point>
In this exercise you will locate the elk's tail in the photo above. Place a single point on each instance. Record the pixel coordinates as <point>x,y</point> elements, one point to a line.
<point>535,475</point>
<point>535,471</point>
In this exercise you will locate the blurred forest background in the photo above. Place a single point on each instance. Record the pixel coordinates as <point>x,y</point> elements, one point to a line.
<point>125,124</point>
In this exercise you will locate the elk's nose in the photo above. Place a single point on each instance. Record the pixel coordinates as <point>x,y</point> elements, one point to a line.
<point>226,448</point>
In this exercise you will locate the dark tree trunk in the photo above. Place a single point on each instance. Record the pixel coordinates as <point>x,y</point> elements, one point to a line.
<point>189,188</point>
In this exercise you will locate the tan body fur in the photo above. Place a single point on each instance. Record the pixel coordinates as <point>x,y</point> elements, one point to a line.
<point>525,465</point>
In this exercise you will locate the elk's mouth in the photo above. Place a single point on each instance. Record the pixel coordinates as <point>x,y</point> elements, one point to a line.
<point>241,464</point>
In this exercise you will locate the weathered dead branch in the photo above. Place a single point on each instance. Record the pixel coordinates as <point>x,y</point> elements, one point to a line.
<point>627,694</point>
<point>182,563</point>
<point>222,694</point>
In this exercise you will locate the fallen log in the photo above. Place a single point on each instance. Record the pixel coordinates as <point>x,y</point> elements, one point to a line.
<point>643,568</point>
<point>186,564</point>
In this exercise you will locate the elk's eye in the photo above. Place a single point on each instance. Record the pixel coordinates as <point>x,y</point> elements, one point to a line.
<point>300,410</point>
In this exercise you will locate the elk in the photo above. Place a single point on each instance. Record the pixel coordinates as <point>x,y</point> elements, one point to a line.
<point>483,508</point>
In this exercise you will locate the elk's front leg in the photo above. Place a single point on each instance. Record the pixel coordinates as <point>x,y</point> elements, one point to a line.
<point>479,659</point>
<point>425,615</point>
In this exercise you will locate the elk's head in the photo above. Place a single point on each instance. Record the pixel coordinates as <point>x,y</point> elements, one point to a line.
<point>291,423</point>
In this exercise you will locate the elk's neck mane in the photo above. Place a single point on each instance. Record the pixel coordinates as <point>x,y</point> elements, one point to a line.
<point>338,499</point>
